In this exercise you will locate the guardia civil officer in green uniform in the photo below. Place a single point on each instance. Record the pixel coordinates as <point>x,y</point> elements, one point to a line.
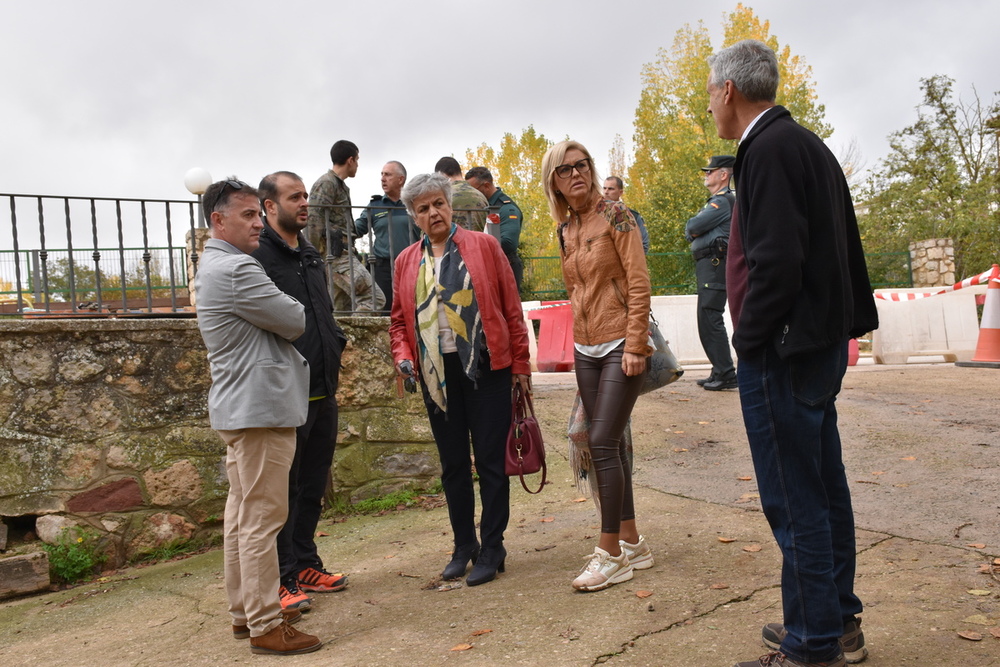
<point>510,216</point>
<point>390,226</point>
<point>708,234</point>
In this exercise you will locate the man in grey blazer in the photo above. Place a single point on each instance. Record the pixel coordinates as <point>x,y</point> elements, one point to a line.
<point>259,395</point>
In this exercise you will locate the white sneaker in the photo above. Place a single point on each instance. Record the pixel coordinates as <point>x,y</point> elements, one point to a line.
<point>639,554</point>
<point>603,570</point>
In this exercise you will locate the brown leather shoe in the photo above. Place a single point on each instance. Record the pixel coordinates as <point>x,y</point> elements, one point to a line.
<point>285,640</point>
<point>291,617</point>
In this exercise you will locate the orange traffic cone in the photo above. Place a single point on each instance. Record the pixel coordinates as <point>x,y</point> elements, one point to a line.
<point>988,346</point>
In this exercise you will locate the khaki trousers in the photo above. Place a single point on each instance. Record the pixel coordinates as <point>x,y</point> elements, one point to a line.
<point>257,464</point>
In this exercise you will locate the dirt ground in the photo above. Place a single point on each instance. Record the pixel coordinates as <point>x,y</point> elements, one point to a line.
<point>921,445</point>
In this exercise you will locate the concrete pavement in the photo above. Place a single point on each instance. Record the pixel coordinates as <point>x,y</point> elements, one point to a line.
<point>715,582</point>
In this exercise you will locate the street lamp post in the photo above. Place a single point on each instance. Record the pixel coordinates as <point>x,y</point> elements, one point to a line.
<point>197,181</point>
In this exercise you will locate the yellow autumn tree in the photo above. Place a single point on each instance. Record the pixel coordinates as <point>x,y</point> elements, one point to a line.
<point>675,135</point>
<point>517,169</point>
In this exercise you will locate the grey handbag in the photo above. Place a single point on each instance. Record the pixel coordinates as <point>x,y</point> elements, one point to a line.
<point>663,366</point>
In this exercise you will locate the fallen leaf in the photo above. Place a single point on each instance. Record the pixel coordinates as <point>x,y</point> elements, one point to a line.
<point>976,545</point>
<point>747,497</point>
<point>744,479</point>
<point>727,540</point>
<point>908,458</point>
<point>389,556</point>
<point>996,561</point>
<point>970,635</point>
<point>546,547</point>
<point>879,472</point>
<point>643,594</point>
<point>683,400</point>
<point>867,481</point>
<point>704,422</point>
<point>678,432</point>
<point>985,568</point>
<point>752,548</point>
<point>995,632</point>
<point>679,449</point>
<point>977,619</point>
<point>322,534</point>
<point>719,587</point>
<point>547,519</point>
<point>579,500</point>
<point>481,632</point>
<point>466,647</point>
<point>979,592</point>
<point>451,586</point>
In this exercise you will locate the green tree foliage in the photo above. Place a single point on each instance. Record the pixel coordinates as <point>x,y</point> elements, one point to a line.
<point>940,180</point>
<point>85,281</point>
<point>517,169</point>
<point>674,134</point>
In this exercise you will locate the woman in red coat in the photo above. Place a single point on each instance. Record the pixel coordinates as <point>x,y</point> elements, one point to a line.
<point>457,323</point>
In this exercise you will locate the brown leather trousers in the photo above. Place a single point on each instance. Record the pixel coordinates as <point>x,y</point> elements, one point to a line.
<point>608,396</point>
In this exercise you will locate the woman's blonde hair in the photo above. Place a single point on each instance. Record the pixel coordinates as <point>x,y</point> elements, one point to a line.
<point>558,206</point>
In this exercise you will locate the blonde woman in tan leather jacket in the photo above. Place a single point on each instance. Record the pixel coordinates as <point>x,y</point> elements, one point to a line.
<point>604,268</point>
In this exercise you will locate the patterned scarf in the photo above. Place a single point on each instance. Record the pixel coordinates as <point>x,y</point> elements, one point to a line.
<point>455,292</point>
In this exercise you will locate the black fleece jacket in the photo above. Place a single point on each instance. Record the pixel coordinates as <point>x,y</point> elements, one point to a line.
<point>300,274</point>
<point>804,280</point>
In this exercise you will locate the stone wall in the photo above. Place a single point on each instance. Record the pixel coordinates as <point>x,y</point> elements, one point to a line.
<point>103,423</point>
<point>932,262</point>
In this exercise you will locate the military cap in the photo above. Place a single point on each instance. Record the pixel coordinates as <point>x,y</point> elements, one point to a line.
<point>720,162</point>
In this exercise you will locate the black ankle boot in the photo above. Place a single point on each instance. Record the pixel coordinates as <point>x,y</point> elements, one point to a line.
<point>460,559</point>
<point>490,562</point>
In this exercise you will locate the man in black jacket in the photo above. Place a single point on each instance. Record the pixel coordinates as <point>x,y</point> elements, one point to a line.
<point>798,290</point>
<point>297,269</point>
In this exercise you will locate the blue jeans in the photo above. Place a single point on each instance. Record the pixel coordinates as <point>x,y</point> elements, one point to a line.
<point>791,422</point>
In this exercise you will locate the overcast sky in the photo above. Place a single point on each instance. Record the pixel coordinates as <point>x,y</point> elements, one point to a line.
<point>121,98</point>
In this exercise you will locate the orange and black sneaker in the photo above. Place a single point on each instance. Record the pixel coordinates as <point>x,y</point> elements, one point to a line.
<point>293,598</point>
<point>321,581</point>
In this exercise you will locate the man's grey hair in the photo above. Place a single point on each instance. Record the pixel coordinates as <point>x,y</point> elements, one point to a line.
<point>422,184</point>
<point>618,182</point>
<point>399,165</point>
<point>752,67</point>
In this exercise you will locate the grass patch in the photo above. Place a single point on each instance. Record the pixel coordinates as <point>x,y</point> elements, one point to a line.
<point>397,500</point>
<point>77,554</point>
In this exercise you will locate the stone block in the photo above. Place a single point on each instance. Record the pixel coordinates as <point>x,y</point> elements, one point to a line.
<point>410,463</point>
<point>79,366</point>
<point>115,496</point>
<point>160,529</point>
<point>49,527</point>
<point>35,368</point>
<point>21,575</point>
<point>179,484</point>
<point>390,425</point>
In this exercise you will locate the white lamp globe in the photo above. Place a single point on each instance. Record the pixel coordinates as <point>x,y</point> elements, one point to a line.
<point>197,181</point>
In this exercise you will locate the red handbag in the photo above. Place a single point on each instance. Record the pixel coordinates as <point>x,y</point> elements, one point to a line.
<point>525,452</point>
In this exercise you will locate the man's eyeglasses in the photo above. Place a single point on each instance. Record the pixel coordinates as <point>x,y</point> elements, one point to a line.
<point>564,171</point>
<point>228,183</point>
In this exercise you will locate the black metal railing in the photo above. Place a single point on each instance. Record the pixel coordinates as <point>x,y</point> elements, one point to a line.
<point>129,263</point>
<point>140,254</point>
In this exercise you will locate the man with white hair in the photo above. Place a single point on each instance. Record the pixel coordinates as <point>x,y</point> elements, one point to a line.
<point>798,291</point>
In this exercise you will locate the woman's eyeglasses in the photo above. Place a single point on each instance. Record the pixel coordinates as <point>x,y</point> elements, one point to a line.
<point>566,170</point>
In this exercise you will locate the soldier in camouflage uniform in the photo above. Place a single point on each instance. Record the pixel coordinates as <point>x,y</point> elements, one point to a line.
<point>510,215</point>
<point>463,196</point>
<point>330,201</point>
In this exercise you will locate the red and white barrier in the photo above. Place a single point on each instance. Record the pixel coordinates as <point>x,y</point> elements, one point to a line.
<point>981,279</point>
